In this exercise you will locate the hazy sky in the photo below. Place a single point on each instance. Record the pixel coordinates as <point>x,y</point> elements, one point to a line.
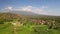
<point>48,7</point>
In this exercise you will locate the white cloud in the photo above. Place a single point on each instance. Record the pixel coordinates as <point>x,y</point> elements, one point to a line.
<point>30,9</point>
<point>37,10</point>
<point>10,8</point>
<point>25,8</point>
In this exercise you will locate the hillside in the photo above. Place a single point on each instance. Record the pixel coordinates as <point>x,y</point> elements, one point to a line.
<point>12,23</point>
<point>7,17</point>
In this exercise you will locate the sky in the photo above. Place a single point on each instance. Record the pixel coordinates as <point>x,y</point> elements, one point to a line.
<point>46,7</point>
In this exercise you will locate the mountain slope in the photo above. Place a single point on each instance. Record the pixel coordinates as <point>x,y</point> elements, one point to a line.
<point>23,13</point>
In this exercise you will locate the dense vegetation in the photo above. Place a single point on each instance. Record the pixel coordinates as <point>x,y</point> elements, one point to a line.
<point>17,24</point>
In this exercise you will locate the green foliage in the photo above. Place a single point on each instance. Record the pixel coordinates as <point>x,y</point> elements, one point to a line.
<point>28,27</point>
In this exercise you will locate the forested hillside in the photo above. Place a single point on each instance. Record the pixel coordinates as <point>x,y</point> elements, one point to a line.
<point>11,23</point>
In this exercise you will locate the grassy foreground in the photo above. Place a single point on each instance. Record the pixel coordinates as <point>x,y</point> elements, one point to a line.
<point>27,29</point>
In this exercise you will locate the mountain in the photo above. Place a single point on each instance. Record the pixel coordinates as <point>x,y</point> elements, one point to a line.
<point>24,13</point>
<point>27,13</point>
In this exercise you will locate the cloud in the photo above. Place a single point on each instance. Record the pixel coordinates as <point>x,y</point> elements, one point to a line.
<point>7,8</point>
<point>10,8</point>
<point>25,8</point>
<point>37,10</point>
